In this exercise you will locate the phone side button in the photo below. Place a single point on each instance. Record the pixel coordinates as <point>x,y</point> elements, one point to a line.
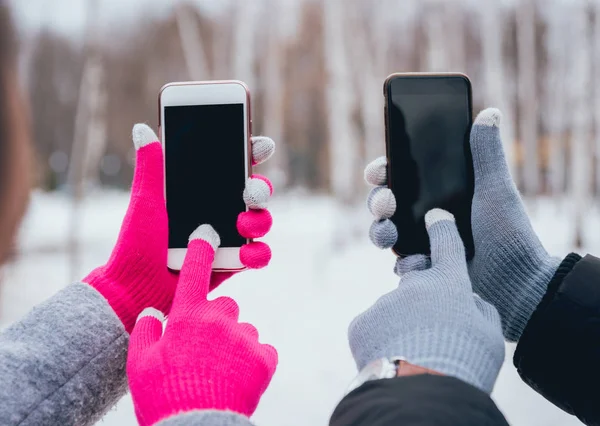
<point>385,120</point>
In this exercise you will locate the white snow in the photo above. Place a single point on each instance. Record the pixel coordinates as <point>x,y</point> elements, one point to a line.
<point>302,303</point>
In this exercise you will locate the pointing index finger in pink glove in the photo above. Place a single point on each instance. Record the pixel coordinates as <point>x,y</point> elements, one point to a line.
<point>194,278</point>
<point>205,359</point>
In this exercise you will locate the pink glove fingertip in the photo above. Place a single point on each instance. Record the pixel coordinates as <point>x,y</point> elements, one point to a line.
<point>254,223</point>
<point>272,356</point>
<point>255,255</point>
<point>147,330</point>
<point>196,270</point>
<point>225,307</point>
<point>249,330</point>
<point>149,163</point>
<point>271,361</point>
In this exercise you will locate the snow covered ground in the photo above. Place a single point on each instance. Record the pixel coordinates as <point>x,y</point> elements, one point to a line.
<point>302,303</point>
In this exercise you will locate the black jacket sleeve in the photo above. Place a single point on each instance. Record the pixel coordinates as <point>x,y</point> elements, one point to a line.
<point>558,354</point>
<point>417,401</point>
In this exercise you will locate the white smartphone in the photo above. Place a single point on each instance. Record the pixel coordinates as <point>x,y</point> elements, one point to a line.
<point>205,129</point>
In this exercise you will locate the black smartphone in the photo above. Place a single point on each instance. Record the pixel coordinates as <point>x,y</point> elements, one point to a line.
<point>428,120</point>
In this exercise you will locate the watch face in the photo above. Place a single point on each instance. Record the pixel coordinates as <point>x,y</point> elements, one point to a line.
<point>381,368</point>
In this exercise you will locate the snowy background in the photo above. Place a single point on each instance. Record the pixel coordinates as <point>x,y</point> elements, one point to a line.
<point>302,303</point>
<point>92,68</point>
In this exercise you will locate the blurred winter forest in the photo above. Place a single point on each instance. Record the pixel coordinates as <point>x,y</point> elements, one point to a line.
<point>315,69</point>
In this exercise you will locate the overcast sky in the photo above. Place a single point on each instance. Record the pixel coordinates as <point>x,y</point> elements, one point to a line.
<point>69,16</point>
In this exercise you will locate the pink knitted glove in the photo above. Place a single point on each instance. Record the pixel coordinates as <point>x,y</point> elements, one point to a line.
<point>205,359</point>
<point>136,275</point>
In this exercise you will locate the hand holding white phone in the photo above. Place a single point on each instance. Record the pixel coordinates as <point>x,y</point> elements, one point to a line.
<point>209,152</point>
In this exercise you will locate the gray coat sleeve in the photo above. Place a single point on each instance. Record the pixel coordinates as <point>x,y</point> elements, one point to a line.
<point>64,362</point>
<point>206,418</point>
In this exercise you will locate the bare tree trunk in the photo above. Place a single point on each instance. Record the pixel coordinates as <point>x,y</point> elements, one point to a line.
<point>582,119</point>
<point>369,62</point>
<point>556,99</point>
<point>436,36</point>
<point>222,45</point>
<point>243,42</point>
<point>274,91</point>
<point>191,43</point>
<point>96,125</point>
<point>456,26</point>
<point>527,78</point>
<point>89,140</point>
<point>340,99</point>
<point>405,31</point>
<point>497,91</point>
<point>372,113</point>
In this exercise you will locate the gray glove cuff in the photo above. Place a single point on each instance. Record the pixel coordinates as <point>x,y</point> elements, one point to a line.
<point>461,355</point>
<point>206,418</point>
<point>528,288</point>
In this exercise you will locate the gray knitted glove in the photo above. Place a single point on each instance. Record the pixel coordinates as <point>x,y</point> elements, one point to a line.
<point>433,319</point>
<point>510,269</point>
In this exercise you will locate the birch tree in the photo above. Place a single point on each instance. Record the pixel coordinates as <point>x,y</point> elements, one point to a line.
<point>343,146</point>
<point>370,44</point>
<point>242,60</point>
<point>556,99</point>
<point>445,28</point>
<point>496,90</point>
<point>436,37</point>
<point>456,26</point>
<point>581,116</point>
<point>90,133</point>
<point>273,88</point>
<point>527,81</point>
<point>340,99</point>
<point>191,43</point>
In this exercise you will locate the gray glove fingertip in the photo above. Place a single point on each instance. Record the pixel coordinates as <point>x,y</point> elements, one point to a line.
<point>263,148</point>
<point>151,312</point>
<point>489,312</point>
<point>489,159</point>
<point>383,234</point>
<point>256,193</point>
<point>376,172</point>
<point>417,262</point>
<point>207,233</point>
<point>446,245</point>
<point>381,202</point>
<point>143,135</point>
<point>489,117</point>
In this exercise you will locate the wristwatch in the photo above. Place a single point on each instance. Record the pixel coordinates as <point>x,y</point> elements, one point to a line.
<point>388,368</point>
<point>382,368</point>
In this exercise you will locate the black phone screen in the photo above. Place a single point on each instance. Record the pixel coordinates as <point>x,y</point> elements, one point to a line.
<point>204,170</point>
<point>429,156</point>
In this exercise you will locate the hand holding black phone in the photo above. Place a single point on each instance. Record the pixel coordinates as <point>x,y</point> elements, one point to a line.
<point>428,120</point>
